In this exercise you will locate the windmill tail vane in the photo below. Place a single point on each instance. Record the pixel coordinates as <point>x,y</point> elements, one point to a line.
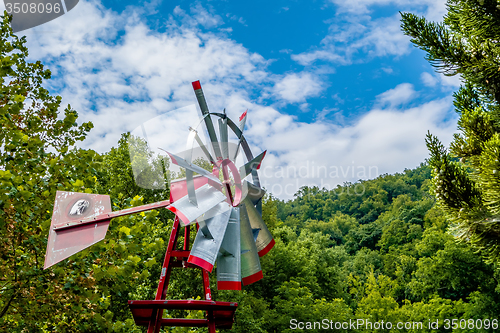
<point>226,205</point>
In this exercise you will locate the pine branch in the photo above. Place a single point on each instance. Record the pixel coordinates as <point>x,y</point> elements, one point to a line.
<point>443,51</point>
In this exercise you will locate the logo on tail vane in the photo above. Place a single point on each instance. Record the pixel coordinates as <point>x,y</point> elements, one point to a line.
<point>79,207</point>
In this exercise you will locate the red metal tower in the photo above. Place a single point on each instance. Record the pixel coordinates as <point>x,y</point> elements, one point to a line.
<point>150,313</point>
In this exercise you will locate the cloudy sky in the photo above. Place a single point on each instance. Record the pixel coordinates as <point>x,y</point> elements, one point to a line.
<point>334,91</point>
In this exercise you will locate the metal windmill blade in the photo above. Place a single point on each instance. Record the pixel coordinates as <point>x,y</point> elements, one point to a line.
<point>229,256</point>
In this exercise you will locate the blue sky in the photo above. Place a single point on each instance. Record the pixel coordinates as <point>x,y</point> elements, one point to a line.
<point>328,83</point>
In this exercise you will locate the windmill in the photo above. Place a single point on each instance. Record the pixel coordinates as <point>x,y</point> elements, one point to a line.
<point>225,207</point>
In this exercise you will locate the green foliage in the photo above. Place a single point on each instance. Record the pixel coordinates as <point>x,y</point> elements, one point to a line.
<point>452,272</point>
<point>88,292</point>
<point>402,266</point>
<point>116,177</point>
<point>465,178</point>
<point>466,43</point>
<point>36,160</point>
<point>364,200</point>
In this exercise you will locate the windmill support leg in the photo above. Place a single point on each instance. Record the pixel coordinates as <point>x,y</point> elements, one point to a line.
<point>211,321</point>
<point>208,297</point>
<point>155,322</point>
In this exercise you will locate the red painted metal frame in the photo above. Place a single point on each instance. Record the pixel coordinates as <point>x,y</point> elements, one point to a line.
<point>150,313</point>
<point>222,312</point>
<point>110,215</point>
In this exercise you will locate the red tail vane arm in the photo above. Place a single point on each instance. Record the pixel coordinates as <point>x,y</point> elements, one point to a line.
<point>110,215</point>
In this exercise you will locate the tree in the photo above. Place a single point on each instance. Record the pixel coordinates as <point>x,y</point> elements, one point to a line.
<point>451,270</point>
<point>466,180</point>
<point>36,159</point>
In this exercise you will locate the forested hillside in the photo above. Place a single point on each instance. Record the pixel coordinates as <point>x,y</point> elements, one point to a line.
<point>383,255</point>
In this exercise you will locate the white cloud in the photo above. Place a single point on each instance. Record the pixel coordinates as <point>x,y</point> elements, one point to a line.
<point>385,38</point>
<point>201,16</point>
<point>380,142</point>
<point>353,32</point>
<point>446,82</point>
<point>401,94</point>
<point>118,74</point>
<point>387,70</point>
<point>435,9</point>
<point>296,87</point>
<point>96,71</point>
<point>347,43</point>
<point>307,58</point>
<point>428,79</point>
<point>451,81</point>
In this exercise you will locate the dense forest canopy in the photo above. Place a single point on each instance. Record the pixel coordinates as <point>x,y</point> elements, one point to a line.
<point>382,254</point>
